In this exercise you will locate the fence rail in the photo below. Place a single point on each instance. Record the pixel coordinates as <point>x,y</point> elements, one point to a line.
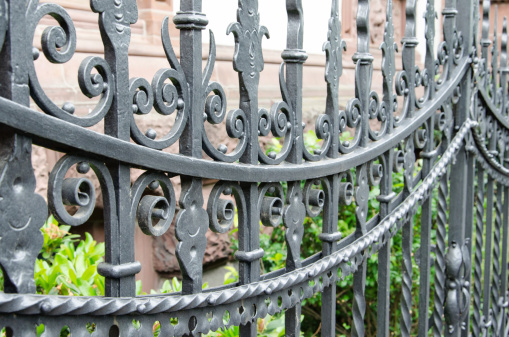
<point>445,127</point>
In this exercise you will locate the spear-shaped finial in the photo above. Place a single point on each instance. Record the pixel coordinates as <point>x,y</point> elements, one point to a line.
<point>503,45</point>
<point>485,42</point>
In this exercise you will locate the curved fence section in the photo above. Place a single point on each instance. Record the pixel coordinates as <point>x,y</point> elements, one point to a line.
<point>430,149</point>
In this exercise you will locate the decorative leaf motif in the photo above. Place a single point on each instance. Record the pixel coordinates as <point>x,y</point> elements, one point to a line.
<point>116,18</point>
<point>293,219</point>
<point>458,266</point>
<point>22,214</point>
<point>389,47</point>
<point>248,41</point>
<point>361,197</point>
<point>334,49</point>
<point>190,227</point>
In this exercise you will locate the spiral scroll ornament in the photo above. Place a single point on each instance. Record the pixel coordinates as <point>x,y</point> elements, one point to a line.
<point>221,211</point>
<point>271,199</point>
<point>154,213</point>
<point>352,118</point>
<point>182,306</point>
<point>402,89</point>
<point>59,45</point>
<point>79,192</point>
<point>314,197</point>
<point>215,113</point>
<point>167,93</point>
<point>282,121</point>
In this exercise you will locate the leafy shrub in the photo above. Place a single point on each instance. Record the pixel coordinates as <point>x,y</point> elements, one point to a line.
<point>64,269</point>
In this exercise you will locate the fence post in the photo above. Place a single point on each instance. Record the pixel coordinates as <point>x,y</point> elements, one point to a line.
<point>459,217</point>
<point>22,212</point>
<point>192,244</point>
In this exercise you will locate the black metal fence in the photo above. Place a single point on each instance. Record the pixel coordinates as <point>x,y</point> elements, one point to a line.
<point>452,138</point>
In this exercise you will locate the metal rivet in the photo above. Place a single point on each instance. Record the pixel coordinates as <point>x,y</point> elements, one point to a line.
<point>69,108</point>
<point>222,148</point>
<point>154,185</point>
<point>151,133</point>
<point>35,53</point>
<point>83,167</point>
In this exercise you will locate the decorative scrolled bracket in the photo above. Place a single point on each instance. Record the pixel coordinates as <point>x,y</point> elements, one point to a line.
<point>457,302</point>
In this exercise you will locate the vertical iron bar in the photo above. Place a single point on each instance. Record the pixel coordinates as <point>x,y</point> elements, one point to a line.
<point>386,194</point>
<point>248,19</point>
<point>409,42</point>
<point>294,57</point>
<point>16,170</point>
<point>495,288</point>
<point>384,254</point>
<point>333,72</point>
<point>407,242</point>
<point>191,245</point>
<point>463,166</point>
<point>363,75</point>
<point>479,232</point>
<point>428,156</point>
<point>488,250</point>
<point>503,281</point>
<point>330,226</point>
<point>439,297</point>
<point>472,329</point>
<point>119,236</point>
<point>359,277</point>
<point>485,41</point>
<point>469,229</point>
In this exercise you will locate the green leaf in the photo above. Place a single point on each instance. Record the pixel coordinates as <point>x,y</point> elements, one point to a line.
<point>139,287</point>
<point>89,273</point>
<point>80,265</point>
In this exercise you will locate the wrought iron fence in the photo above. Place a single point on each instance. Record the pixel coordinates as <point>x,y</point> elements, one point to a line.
<point>453,138</point>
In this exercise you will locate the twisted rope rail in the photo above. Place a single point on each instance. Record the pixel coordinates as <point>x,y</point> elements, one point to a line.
<point>371,242</point>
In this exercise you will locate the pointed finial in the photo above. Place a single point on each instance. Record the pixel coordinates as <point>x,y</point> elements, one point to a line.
<point>503,44</point>
<point>486,23</point>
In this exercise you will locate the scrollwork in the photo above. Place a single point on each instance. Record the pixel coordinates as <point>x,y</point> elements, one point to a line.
<point>422,78</point>
<point>442,60</point>
<point>215,113</point>
<point>402,89</point>
<point>59,45</point>
<point>314,197</point>
<point>222,211</point>
<point>149,208</point>
<point>78,192</point>
<point>271,204</point>
<point>168,94</point>
<point>379,111</point>
<point>352,117</point>
<point>282,120</point>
